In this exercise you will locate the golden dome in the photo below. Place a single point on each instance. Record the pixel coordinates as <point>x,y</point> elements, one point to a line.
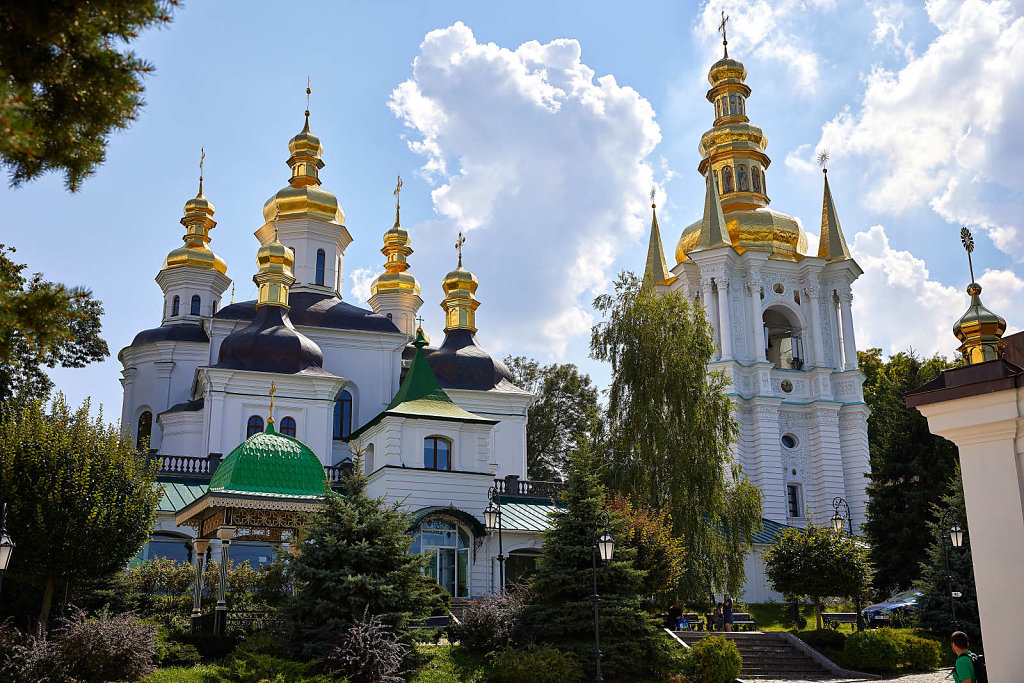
<point>275,257</point>
<point>979,330</point>
<point>303,197</point>
<point>396,248</point>
<point>760,229</point>
<point>275,273</point>
<point>196,253</point>
<point>460,302</point>
<point>727,69</point>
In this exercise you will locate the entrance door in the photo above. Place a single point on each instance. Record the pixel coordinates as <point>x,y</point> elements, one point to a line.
<point>447,546</point>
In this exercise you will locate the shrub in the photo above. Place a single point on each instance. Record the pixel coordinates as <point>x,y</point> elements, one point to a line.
<point>250,667</point>
<point>106,648</point>
<point>490,624</point>
<point>534,664</point>
<point>369,652</point>
<point>714,659</point>
<point>877,650</point>
<point>175,653</point>
<point>823,638</point>
<point>920,654</point>
<point>211,646</point>
<point>27,659</point>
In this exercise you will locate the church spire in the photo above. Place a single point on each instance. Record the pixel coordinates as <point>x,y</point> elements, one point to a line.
<point>831,245</point>
<point>460,302</point>
<point>275,274</point>
<point>198,222</point>
<point>979,330</point>
<point>395,292</point>
<point>713,230</point>
<point>656,269</point>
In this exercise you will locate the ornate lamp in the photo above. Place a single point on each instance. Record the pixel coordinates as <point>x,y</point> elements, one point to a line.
<point>606,546</point>
<point>491,516</point>
<point>838,522</point>
<point>956,535</point>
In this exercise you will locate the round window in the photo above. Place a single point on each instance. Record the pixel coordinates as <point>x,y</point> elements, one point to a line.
<point>789,441</point>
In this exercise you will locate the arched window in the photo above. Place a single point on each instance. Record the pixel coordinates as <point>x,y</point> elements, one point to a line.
<point>343,415</point>
<point>732,105</point>
<point>321,263</point>
<point>437,452</point>
<point>144,430</point>
<point>741,178</point>
<point>195,304</point>
<point>175,305</point>
<point>254,426</point>
<point>215,308</point>
<point>727,180</point>
<point>755,178</point>
<point>288,426</point>
<point>764,182</point>
<point>741,102</point>
<point>783,344</point>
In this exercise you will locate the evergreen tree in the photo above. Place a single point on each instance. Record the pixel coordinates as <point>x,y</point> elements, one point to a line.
<point>817,562</point>
<point>671,427</point>
<point>355,556</point>
<point>933,607</point>
<point>566,408</point>
<point>81,500</point>
<point>562,615</point>
<point>67,81</point>
<point>910,467</point>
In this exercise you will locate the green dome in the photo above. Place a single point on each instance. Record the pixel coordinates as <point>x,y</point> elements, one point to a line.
<point>271,463</point>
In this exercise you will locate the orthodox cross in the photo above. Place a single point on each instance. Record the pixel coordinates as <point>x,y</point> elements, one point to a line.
<point>419,322</point>
<point>308,91</point>
<point>722,28</point>
<point>232,291</point>
<point>202,158</point>
<point>397,192</point>
<point>458,245</point>
<point>654,193</point>
<point>273,390</point>
<point>823,160</point>
<point>968,240</point>
<point>277,217</point>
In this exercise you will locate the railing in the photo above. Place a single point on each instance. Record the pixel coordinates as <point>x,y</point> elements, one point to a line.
<point>204,623</point>
<point>185,466</point>
<point>514,487</point>
<point>253,621</point>
<point>336,473</point>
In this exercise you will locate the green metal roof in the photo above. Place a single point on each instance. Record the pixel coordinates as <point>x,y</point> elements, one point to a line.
<point>527,516</point>
<point>177,495</point>
<point>269,463</point>
<point>420,396</point>
<point>770,533</point>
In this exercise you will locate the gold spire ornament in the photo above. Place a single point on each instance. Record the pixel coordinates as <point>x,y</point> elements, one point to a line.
<point>270,416</point>
<point>721,29</point>
<point>460,302</point>
<point>979,330</point>
<point>198,222</point>
<point>656,269</point>
<point>396,249</point>
<point>831,242</point>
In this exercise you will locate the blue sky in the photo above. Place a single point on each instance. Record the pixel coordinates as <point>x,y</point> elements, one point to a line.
<point>537,128</point>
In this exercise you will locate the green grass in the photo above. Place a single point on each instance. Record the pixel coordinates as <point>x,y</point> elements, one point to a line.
<point>450,663</point>
<point>181,674</point>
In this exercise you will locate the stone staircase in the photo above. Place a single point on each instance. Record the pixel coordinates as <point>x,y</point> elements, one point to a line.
<point>767,655</point>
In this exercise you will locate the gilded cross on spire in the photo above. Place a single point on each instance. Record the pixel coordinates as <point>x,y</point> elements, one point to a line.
<point>458,245</point>
<point>654,193</point>
<point>397,192</point>
<point>277,217</point>
<point>308,92</point>
<point>722,29</point>
<point>968,241</point>
<point>273,390</point>
<point>419,323</point>
<point>202,158</point>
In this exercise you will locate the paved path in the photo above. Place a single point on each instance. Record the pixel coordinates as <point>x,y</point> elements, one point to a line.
<point>941,676</point>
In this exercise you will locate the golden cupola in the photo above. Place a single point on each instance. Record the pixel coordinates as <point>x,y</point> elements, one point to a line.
<point>275,274</point>
<point>396,249</point>
<point>979,330</point>
<point>733,151</point>
<point>460,302</point>
<point>198,222</point>
<point>303,197</point>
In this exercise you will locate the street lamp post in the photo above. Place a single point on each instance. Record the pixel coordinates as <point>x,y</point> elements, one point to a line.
<point>839,524</point>
<point>492,520</point>
<point>6,545</point>
<point>951,520</point>
<point>603,545</point>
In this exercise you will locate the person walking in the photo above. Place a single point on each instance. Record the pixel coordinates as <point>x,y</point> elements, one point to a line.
<point>969,667</point>
<point>727,613</point>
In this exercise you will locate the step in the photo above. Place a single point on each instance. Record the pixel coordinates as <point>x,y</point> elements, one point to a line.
<point>765,655</point>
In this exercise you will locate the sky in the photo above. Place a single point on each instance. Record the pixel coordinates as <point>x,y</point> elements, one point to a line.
<point>538,129</point>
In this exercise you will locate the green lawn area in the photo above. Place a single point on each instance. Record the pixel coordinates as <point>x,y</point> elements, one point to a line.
<point>449,663</point>
<point>771,616</point>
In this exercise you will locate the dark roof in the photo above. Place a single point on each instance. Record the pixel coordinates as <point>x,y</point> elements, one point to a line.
<point>461,363</point>
<point>185,332</point>
<point>317,310</point>
<point>968,380</point>
<point>270,343</point>
<point>186,407</point>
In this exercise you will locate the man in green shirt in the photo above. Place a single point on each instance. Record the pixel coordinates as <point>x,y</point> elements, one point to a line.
<point>963,671</point>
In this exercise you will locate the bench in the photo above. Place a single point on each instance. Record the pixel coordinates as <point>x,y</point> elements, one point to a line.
<point>834,619</point>
<point>740,621</point>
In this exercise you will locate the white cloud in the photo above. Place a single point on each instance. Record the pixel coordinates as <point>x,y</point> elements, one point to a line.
<point>542,164</point>
<point>889,20</point>
<point>758,28</point>
<point>942,131</point>
<point>360,280</point>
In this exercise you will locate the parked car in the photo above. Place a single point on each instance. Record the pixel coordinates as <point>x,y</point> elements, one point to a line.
<point>898,605</point>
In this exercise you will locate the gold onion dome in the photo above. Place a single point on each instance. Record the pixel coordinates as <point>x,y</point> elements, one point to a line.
<point>397,250</point>
<point>460,302</point>
<point>303,197</point>
<point>198,222</point>
<point>733,150</point>
<point>275,274</point>
<point>979,330</point>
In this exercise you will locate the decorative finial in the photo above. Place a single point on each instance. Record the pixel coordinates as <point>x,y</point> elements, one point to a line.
<point>968,241</point>
<point>273,390</point>
<point>277,217</point>
<point>419,324</point>
<point>202,158</point>
<point>232,291</point>
<point>654,193</point>
<point>397,192</point>
<point>722,28</point>
<point>458,245</point>
<point>308,92</point>
<point>823,158</point>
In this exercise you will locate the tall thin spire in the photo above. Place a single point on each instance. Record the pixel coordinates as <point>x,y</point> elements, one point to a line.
<point>309,91</point>
<point>831,244</point>
<point>656,269</point>
<point>979,330</point>
<point>713,230</point>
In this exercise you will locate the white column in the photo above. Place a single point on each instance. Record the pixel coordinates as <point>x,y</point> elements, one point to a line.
<point>199,545</point>
<point>128,402</point>
<point>709,308</point>
<point>853,440</point>
<point>849,343</point>
<point>826,480</point>
<point>756,318</point>
<point>816,332</point>
<point>724,322</point>
<point>767,470</point>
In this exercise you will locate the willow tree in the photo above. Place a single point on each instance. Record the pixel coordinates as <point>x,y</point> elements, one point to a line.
<point>670,428</point>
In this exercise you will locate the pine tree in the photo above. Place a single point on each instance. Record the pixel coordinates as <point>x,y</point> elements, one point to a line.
<point>933,607</point>
<point>355,556</point>
<point>910,467</point>
<point>562,615</point>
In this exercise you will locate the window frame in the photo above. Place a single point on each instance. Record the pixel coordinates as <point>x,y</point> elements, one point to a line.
<point>148,415</point>
<point>438,439</point>
<point>338,430</point>
<point>794,496</point>
<point>195,305</point>
<point>288,425</point>
<point>321,267</point>
<point>175,306</point>
<point>254,425</point>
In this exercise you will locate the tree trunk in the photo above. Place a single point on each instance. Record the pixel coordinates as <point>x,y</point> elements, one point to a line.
<point>817,611</point>
<point>44,613</point>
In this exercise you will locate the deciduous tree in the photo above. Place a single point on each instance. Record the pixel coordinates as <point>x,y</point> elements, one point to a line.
<point>670,426</point>
<point>661,555</point>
